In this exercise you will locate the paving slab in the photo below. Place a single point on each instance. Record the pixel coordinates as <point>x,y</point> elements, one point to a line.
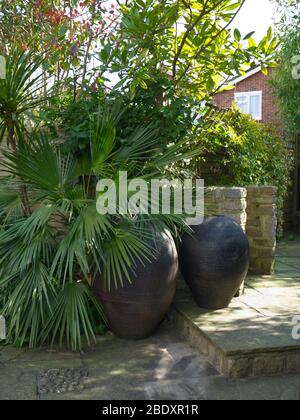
<point>17,384</point>
<point>290,261</point>
<point>9,353</point>
<point>219,388</point>
<point>39,359</point>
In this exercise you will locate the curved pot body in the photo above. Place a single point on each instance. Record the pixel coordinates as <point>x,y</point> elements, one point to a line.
<point>135,311</point>
<point>215,261</point>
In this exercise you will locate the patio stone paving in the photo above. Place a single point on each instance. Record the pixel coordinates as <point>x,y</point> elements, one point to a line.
<point>162,367</point>
<point>253,336</point>
<point>166,366</point>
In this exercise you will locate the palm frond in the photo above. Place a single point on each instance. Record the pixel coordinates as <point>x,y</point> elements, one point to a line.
<point>71,317</point>
<point>27,241</point>
<point>174,153</point>
<point>81,245</point>
<point>122,251</point>
<point>20,91</point>
<point>41,165</point>
<point>10,201</point>
<point>29,303</point>
<point>138,146</point>
<point>102,140</point>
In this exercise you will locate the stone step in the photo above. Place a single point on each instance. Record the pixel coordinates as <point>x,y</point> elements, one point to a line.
<point>251,338</point>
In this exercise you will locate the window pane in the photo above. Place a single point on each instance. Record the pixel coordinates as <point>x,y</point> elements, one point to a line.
<point>242,102</point>
<point>255,106</point>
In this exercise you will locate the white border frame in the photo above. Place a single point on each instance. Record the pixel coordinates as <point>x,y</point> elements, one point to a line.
<point>249,94</point>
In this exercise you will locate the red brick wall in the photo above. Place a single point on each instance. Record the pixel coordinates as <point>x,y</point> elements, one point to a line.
<point>270,109</point>
<point>270,116</point>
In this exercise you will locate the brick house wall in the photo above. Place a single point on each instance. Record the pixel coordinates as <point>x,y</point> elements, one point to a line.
<point>256,82</point>
<point>271,117</point>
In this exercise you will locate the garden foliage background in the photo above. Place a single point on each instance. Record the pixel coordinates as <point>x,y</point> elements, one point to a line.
<point>91,88</point>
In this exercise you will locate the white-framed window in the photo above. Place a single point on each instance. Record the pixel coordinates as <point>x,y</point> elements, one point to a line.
<point>250,103</point>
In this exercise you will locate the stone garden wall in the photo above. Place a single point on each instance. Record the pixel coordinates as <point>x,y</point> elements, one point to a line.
<point>254,209</point>
<point>261,228</point>
<point>229,202</point>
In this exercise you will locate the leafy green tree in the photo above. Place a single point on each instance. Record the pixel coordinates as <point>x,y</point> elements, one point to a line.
<point>63,32</point>
<point>287,77</point>
<point>160,56</point>
<point>85,42</point>
<point>191,42</point>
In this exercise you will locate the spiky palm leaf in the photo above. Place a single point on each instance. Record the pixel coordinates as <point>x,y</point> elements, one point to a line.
<point>70,317</point>
<point>20,93</point>
<point>29,303</point>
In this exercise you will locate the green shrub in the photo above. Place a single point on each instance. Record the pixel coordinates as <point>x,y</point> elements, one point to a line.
<point>286,80</point>
<point>236,150</point>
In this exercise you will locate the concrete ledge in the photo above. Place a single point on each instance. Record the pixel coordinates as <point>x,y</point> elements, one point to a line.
<point>240,363</point>
<point>251,338</point>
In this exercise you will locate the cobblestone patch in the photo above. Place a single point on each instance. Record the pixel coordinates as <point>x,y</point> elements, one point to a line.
<point>60,381</point>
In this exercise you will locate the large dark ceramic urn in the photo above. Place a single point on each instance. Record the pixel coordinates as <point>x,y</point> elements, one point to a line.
<point>214,261</point>
<point>135,311</point>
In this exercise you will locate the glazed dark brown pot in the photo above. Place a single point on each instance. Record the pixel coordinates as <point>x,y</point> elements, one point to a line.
<point>135,311</point>
<point>214,261</point>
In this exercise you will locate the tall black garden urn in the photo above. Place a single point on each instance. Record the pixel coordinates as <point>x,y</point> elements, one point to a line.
<point>214,261</point>
<point>135,310</point>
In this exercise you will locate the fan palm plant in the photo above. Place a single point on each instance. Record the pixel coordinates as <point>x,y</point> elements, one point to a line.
<point>49,257</point>
<point>20,93</point>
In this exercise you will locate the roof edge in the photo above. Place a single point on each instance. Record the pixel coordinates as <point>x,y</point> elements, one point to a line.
<point>246,76</point>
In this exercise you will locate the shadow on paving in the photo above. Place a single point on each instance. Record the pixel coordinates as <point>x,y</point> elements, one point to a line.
<point>162,367</point>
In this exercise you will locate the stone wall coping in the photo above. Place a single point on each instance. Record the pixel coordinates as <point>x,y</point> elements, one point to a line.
<point>263,189</point>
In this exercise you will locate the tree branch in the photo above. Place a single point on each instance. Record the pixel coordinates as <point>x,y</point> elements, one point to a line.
<point>185,37</point>
<point>208,44</point>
